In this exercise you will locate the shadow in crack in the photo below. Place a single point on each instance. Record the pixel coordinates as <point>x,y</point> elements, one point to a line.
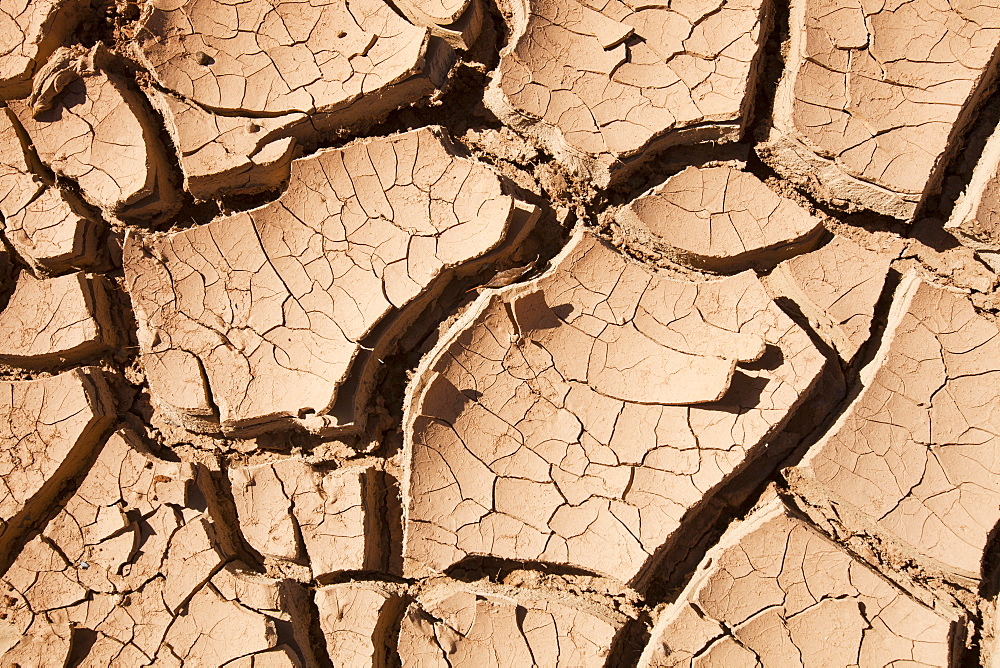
<point>744,394</point>
<point>701,527</point>
<point>989,583</point>
<point>769,361</point>
<point>495,569</point>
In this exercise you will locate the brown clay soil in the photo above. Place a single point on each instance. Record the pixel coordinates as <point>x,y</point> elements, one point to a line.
<point>472,333</point>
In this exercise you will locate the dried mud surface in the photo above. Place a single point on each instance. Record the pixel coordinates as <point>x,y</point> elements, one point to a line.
<point>516,333</point>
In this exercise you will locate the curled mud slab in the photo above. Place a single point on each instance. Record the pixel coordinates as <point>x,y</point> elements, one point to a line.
<point>75,312</point>
<point>346,65</point>
<point>273,57</point>
<point>874,98</point>
<point>721,219</point>
<point>775,592</point>
<point>975,220</point>
<point>93,127</point>
<point>288,511</point>
<point>50,429</point>
<point>520,333</point>
<point>45,224</point>
<point>915,452</point>
<point>458,22</point>
<point>30,30</point>
<point>264,314</point>
<point>837,288</point>
<point>578,419</point>
<point>466,627</point>
<point>227,155</point>
<point>598,84</point>
<point>357,620</point>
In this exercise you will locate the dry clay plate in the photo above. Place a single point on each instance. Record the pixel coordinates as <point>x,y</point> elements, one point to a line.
<point>474,333</point>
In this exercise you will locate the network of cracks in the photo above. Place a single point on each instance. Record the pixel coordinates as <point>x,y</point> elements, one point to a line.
<point>536,333</point>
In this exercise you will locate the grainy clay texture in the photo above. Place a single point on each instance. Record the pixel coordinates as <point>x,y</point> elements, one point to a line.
<point>470,334</point>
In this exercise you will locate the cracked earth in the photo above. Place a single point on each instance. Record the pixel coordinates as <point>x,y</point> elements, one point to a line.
<point>515,333</point>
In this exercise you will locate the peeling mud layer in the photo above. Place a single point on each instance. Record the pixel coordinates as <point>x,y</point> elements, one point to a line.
<point>518,333</point>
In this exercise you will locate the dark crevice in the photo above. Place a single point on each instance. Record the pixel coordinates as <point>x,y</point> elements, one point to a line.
<point>628,645</point>
<point>317,641</point>
<point>959,172</point>
<point>497,570</point>
<point>771,69</point>
<point>81,641</point>
<point>703,525</point>
<point>658,169</point>
<point>965,145</point>
<point>343,577</point>
<point>221,506</point>
<point>968,651</point>
<point>11,266</point>
<point>396,370</point>
<point>792,310</point>
<point>107,21</point>
<point>393,504</point>
<point>866,220</point>
<point>393,624</point>
<point>851,379</point>
<point>989,584</point>
<point>989,589</point>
